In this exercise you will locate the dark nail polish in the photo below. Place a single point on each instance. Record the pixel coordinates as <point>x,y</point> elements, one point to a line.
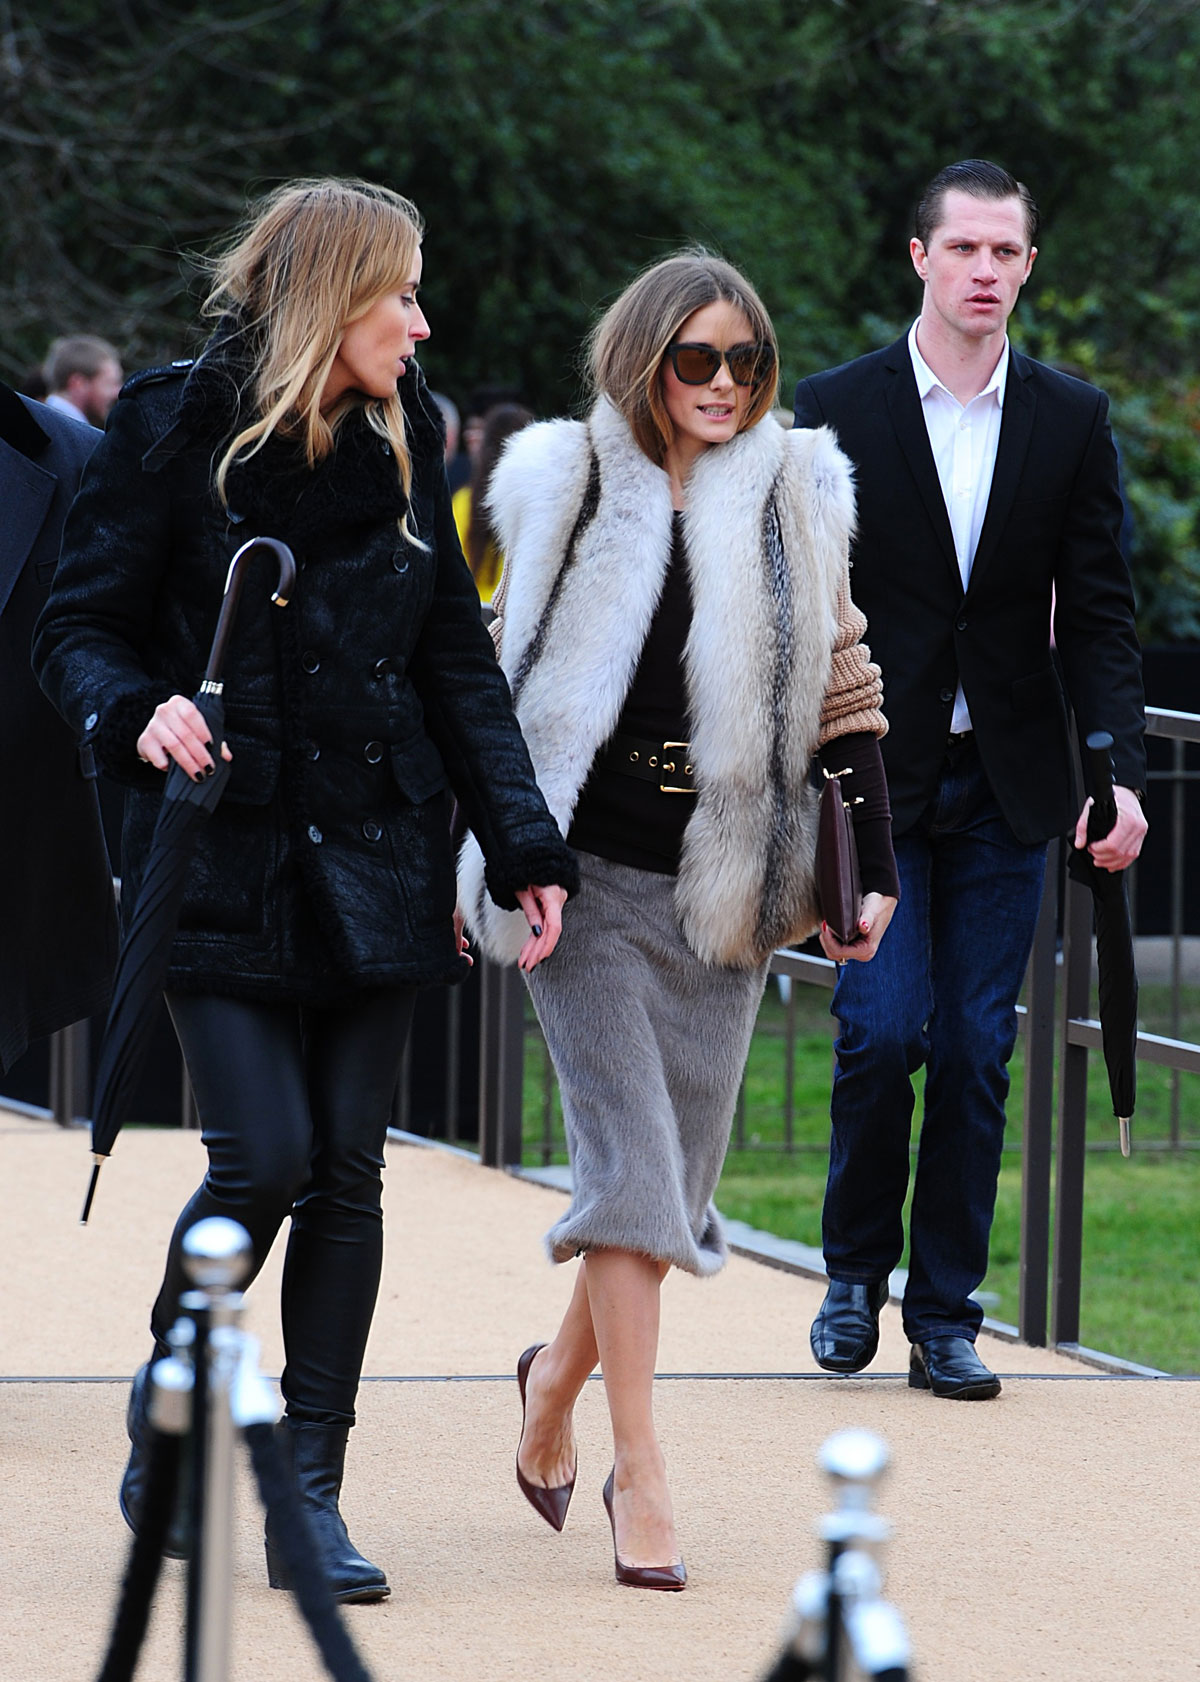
<point>537,929</point>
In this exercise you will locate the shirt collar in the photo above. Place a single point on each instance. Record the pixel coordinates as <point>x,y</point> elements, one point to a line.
<point>927,380</point>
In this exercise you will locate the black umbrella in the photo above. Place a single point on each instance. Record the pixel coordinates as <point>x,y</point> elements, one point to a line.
<point>1118,982</point>
<point>146,948</point>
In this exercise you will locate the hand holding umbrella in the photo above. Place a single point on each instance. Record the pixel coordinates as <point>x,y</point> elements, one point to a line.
<point>146,949</point>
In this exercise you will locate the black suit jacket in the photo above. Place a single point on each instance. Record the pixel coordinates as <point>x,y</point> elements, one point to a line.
<point>57,913</point>
<point>1052,525</point>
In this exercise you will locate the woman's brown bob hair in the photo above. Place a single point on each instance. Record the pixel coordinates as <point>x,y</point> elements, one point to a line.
<point>312,257</point>
<point>627,346</point>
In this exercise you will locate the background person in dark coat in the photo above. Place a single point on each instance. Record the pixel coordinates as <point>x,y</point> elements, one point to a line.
<point>56,897</point>
<point>985,481</point>
<point>323,891</point>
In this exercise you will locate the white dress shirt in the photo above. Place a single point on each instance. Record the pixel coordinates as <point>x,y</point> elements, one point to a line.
<point>964,440</point>
<point>55,400</point>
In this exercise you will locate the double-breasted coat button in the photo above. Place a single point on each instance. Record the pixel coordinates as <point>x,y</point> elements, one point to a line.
<point>382,667</point>
<point>372,830</point>
<point>310,661</point>
<point>400,562</point>
<point>314,835</point>
<point>373,752</point>
<point>91,721</point>
<point>947,694</point>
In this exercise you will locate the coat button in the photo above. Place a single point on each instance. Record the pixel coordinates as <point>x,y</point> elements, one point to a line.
<point>312,751</point>
<point>310,661</point>
<point>91,721</point>
<point>382,667</point>
<point>372,830</point>
<point>400,562</point>
<point>314,835</point>
<point>947,694</point>
<point>961,625</point>
<point>373,752</point>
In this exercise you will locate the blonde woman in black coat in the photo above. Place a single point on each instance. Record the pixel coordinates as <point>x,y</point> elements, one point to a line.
<point>322,893</point>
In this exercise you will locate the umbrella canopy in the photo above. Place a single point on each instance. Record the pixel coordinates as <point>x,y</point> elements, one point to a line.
<point>146,948</point>
<point>1118,982</point>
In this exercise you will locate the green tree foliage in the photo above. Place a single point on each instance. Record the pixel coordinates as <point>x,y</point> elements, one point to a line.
<point>556,146</point>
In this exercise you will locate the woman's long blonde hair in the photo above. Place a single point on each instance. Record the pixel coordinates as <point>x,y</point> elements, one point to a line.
<point>625,349</point>
<point>312,257</point>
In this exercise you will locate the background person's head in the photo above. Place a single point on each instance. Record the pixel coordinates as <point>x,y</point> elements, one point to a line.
<point>498,428</point>
<point>86,371</point>
<point>311,263</point>
<point>480,404</point>
<point>453,425</point>
<point>628,359</point>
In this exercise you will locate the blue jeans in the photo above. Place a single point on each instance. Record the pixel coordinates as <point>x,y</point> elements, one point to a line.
<point>941,992</point>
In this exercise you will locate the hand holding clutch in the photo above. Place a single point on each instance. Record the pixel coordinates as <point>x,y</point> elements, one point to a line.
<point>838,887</point>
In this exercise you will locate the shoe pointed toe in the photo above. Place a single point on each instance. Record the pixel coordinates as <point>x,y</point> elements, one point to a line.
<point>845,1333</point>
<point>549,1503</point>
<point>950,1367</point>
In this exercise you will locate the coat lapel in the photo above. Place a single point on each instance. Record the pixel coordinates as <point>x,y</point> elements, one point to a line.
<point>908,420</point>
<point>1016,428</point>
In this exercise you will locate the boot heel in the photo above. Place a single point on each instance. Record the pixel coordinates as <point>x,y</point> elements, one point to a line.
<point>278,1574</point>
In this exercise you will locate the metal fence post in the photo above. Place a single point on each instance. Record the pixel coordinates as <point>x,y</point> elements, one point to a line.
<point>1072,1118</point>
<point>70,1073</point>
<point>501,1064</point>
<point>1038,1129</point>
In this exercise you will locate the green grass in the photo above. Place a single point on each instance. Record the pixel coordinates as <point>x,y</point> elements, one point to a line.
<point>1141,1259</point>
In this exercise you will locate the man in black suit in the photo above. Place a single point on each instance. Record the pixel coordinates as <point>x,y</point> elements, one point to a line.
<point>987,489</point>
<point>56,899</point>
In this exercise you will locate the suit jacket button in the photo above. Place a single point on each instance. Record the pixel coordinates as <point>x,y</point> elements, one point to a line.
<point>312,750</point>
<point>372,830</point>
<point>373,752</point>
<point>961,626</point>
<point>382,667</point>
<point>314,835</point>
<point>947,694</point>
<point>400,562</point>
<point>91,721</point>
<point>310,661</point>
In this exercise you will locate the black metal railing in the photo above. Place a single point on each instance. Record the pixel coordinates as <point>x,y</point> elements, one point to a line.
<point>1057,1029</point>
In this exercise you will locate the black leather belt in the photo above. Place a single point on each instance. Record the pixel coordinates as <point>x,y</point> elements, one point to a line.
<point>664,763</point>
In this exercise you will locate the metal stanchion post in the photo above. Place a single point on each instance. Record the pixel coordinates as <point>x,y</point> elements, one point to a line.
<point>217,1259</point>
<point>841,1627</point>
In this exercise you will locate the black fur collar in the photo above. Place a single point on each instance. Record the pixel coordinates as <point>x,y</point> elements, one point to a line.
<point>275,489</point>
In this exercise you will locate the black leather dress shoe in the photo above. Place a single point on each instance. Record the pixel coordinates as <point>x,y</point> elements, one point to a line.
<point>845,1333</point>
<point>950,1367</point>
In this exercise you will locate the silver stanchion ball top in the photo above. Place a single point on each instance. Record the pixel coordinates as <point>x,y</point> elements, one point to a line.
<point>217,1253</point>
<point>854,1456</point>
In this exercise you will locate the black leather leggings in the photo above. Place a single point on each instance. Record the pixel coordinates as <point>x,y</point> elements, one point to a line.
<point>294,1104</point>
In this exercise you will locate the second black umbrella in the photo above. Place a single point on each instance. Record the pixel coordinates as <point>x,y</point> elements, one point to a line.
<point>146,947</point>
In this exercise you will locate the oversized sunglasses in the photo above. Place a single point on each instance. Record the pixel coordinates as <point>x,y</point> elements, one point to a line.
<point>696,364</point>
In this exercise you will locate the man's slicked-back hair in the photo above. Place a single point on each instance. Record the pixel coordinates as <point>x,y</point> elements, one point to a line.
<point>981,180</point>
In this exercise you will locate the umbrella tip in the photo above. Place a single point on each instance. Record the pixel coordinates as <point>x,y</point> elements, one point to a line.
<point>91,1190</point>
<point>1125,1141</point>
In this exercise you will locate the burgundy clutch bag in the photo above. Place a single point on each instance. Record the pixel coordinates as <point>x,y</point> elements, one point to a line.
<point>838,888</point>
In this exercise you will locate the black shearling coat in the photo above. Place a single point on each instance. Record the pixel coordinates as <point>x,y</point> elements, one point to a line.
<point>350,713</point>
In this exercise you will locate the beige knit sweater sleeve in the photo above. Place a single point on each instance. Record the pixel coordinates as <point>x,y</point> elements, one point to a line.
<point>854,698</point>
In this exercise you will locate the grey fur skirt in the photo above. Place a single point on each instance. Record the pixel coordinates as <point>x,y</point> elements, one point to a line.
<point>648,1044</point>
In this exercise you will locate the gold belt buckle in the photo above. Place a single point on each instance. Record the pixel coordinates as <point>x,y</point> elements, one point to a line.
<point>669,768</point>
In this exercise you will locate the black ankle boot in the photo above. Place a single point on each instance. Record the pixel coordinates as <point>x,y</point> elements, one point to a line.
<point>132,1497</point>
<point>316,1455</point>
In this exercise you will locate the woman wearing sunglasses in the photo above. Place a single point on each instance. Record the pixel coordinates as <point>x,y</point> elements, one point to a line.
<point>676,625</point>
